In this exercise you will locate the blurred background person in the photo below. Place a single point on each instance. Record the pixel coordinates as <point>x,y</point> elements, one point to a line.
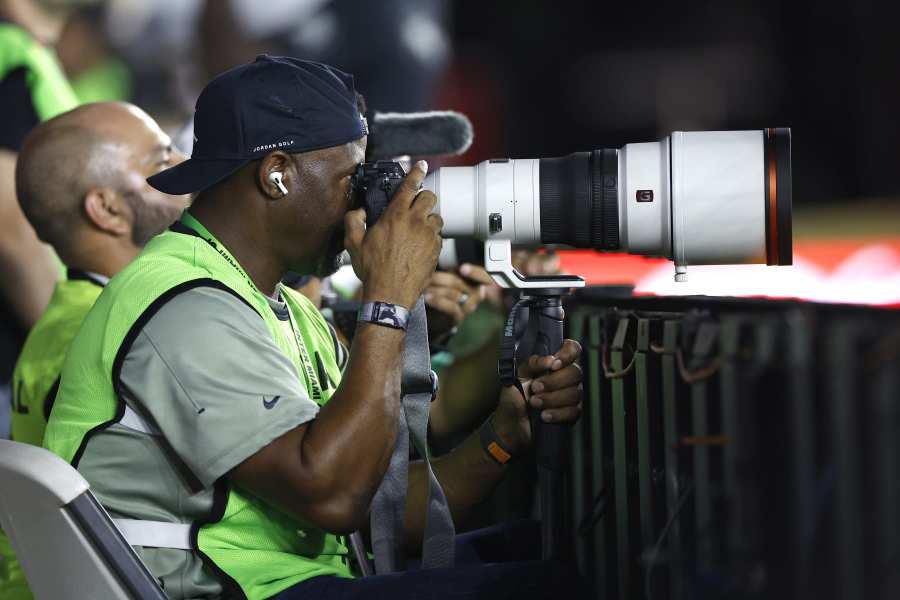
<point>95,70</point>
<point>97,211</point>
<point>33,88</point>
<point>398,49</point>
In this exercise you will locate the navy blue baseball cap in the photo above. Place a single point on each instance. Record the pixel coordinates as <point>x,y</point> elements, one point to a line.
<point>273,103</point>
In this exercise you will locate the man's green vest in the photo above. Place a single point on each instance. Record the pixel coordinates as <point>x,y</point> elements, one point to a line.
<point>253,548</point>
<point>36,376</point>
<point>51,93</point>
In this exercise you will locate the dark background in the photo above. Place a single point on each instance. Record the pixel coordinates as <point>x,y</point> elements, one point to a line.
<point>570,76</point>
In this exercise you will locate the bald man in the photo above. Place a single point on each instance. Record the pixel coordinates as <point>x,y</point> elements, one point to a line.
<point>81,182</point>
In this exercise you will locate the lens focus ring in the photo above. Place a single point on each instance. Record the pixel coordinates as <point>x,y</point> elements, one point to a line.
<point>579,200</point>
<point>605,199</point>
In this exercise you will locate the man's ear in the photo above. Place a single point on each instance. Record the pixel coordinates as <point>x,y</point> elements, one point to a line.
<point>275,162</point>
<point>107,211</point>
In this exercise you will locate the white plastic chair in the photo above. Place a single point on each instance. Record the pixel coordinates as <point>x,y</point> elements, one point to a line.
<point>66,542</point>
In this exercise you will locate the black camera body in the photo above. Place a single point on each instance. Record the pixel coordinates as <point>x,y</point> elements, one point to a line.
<point>373,185</point>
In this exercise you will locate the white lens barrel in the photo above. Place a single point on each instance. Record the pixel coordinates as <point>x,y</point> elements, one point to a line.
<point>457,193</point>
<point>644,204</point>
<point>718,197</point>
<point>496,200</point>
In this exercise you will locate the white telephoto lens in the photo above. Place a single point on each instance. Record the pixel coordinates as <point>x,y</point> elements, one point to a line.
<point>698,198</point>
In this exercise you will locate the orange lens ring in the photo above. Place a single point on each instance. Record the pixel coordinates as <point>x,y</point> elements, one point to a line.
<point>772,257</point>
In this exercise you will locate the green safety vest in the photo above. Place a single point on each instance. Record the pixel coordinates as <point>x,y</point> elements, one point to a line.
<point>51,93</point>
<point>36,376</point>
<point>255,550</point>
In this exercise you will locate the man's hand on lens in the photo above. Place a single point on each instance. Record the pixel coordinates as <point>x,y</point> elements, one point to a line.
<point>396,257</point>
<point>552,385</point>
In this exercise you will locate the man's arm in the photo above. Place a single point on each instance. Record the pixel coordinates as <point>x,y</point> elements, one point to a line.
<point>27,269</point>
<point>469,387</point>
<point>466,396</point>
<point>467,474</point>
<point>468,391</point>
<point>328,470</point>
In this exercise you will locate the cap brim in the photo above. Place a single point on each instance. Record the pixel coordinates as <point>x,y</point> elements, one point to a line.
<point>194,175</point>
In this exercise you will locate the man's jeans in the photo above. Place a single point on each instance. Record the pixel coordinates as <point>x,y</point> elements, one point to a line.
<point>479,574</point>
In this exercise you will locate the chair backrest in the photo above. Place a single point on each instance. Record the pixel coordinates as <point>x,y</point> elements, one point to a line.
<point>66,542</point>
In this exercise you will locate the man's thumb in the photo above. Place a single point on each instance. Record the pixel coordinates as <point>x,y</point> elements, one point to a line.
<point>354,229</point>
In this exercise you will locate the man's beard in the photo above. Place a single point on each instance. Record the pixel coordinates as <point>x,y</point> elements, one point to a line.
<point>333,257</point>
<point>149,219</point>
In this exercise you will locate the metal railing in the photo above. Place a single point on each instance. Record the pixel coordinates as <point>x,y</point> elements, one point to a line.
<point>736,449</point>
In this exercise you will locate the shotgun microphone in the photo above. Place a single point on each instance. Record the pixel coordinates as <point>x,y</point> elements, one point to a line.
<point>432,133</point>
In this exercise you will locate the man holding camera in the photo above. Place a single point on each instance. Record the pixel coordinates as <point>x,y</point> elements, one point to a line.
<point>202,393</point>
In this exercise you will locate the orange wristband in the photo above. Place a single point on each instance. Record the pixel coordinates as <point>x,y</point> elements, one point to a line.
<point>491,443</point>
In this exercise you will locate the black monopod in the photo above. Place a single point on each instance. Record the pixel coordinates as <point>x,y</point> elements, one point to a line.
<point>541,311</point>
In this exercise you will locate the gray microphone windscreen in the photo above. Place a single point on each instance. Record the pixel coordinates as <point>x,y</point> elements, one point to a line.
<point>418,134</point>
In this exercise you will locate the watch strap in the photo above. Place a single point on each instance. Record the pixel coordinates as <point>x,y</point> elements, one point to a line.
<point>384,313</point>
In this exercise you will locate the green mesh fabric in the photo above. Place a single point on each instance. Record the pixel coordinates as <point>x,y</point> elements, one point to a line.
<point>262,550</point>
<point>265,552</point>
<point>41,359</point>
<point>50,91</point>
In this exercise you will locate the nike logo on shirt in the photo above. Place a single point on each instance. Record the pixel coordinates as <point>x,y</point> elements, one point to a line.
<point>269,404</point>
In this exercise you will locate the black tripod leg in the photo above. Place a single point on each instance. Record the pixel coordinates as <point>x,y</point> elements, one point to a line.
<point>551,440</point>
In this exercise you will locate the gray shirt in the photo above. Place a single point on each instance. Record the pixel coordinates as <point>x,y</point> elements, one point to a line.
<point>206,375</point>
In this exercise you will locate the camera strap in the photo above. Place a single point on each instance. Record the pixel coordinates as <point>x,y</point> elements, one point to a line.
<point>418,385</point>
<point>508,364</point>
<point>517,340</point>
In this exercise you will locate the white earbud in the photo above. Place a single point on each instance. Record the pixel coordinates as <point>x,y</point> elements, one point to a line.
<point>275,177</point>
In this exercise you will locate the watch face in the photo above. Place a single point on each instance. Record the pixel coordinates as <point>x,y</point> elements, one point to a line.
<point>387,314</point>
